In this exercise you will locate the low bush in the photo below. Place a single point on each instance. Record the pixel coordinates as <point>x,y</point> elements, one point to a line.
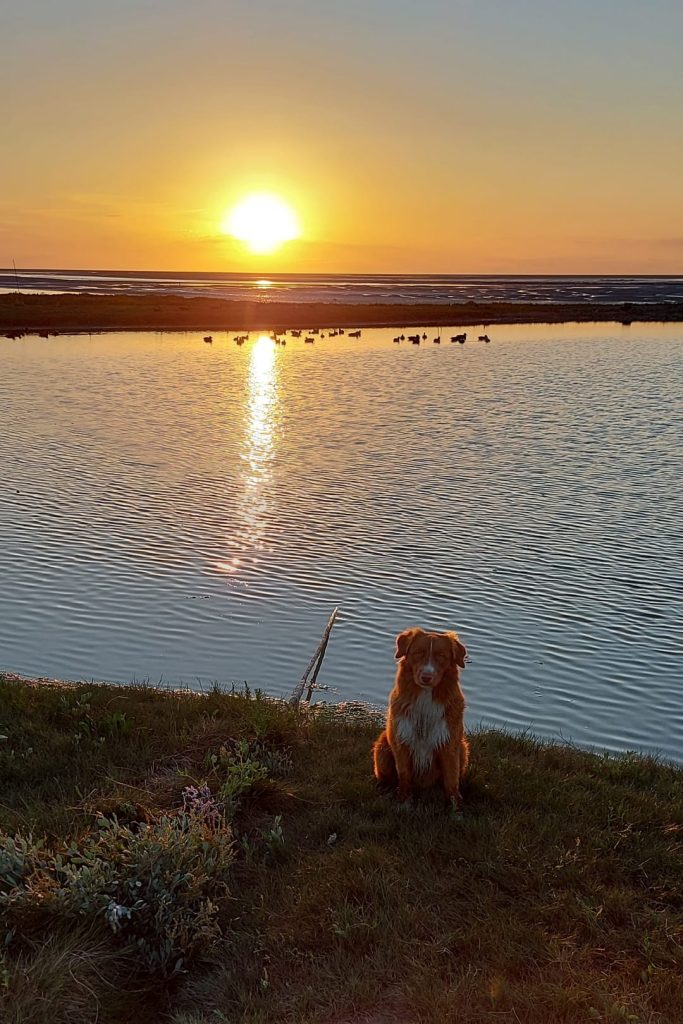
<point>155,886</point>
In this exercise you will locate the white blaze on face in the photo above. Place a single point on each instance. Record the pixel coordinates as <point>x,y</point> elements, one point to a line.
<point>428,668</point>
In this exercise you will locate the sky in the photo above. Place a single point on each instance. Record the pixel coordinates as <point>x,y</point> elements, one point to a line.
<point>411,136</point>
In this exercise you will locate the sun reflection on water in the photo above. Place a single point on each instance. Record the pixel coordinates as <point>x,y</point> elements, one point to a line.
<point>261,401</point>
<point>253,525</point>
<point>259,442</point>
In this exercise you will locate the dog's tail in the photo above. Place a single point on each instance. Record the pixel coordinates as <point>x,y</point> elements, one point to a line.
<point>384,762</point>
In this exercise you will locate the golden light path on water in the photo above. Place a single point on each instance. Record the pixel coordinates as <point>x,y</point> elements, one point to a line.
<point>258,451</point>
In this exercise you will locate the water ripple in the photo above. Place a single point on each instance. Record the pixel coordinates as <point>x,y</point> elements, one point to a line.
<point>169,510</point>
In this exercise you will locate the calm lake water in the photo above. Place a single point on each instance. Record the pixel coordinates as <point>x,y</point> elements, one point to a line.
<point>175,511</point>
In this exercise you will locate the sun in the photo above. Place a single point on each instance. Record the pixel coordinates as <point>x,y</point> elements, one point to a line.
<point>262,221</point>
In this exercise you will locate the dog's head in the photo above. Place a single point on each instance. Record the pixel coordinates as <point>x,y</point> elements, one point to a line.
<point>429,657</point>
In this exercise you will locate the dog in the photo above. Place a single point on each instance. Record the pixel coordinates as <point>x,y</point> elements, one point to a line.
<point>424,740</point>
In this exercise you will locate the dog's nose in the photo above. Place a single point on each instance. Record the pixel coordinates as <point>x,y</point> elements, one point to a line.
<point>426,676</point>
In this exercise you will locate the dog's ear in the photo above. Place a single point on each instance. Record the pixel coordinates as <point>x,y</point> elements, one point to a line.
<point>459,650</point>
<point>404,640</point>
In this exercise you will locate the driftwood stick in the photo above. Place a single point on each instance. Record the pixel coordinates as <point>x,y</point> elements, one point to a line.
<point>298,690</point>
<point>316,670</point>
<point>316,661</point>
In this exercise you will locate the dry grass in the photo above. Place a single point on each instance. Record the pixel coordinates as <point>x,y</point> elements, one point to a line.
<point>556,899</point>
<point>67,978</point>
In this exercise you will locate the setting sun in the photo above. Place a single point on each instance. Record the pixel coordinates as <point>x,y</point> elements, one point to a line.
<point>262,221</point>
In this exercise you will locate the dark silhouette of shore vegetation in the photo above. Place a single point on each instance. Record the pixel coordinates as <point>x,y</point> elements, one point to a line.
<point>35,313</point>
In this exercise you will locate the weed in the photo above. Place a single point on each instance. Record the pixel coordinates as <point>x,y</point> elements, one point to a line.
<point>243,763</point>
<point>115,724</point>
<point>200,802</point>
<point>155,885</point>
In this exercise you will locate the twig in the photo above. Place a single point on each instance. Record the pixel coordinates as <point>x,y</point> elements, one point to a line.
<point>316,661</point>
<point>314,677</point>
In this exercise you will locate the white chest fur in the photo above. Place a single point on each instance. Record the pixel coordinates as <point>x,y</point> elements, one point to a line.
<point>423,728</point>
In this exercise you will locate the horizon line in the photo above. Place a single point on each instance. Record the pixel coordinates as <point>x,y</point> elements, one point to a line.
<point>274,275</point>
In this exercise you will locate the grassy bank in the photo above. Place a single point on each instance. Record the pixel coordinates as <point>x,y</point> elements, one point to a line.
<point>71,313</point>
<point>168,857</point>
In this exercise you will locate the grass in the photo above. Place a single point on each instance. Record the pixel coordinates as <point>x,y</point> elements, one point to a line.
<point>557,898</point>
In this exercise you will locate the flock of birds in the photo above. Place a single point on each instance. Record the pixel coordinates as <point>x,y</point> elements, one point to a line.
<point>417,338</point>
<point>280,337</point>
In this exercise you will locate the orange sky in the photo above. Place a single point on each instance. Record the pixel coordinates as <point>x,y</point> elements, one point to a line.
<point>523,137</point>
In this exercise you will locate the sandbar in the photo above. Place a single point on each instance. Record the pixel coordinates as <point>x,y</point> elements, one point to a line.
<point>27,313</point>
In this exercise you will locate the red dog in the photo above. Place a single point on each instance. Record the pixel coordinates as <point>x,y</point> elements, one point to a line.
<point>424,740</point>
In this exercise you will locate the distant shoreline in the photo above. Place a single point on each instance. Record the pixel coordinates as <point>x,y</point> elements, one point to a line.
<point>22,313</point>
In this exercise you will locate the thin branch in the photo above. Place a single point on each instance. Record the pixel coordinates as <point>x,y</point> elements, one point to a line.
<point>316,661</point>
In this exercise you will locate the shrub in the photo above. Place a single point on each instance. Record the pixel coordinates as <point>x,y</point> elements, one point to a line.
<point>153,885</point>
<point>19,856</point>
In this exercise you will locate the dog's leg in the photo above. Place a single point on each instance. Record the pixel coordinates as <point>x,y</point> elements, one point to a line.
<point>404,770</point>
<point>464,755</point>
<point>384,762</point>
<point>450,766</point>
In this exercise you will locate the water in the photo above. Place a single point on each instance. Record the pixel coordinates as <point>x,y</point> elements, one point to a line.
<point>182,512</point>
<point>353,288</point>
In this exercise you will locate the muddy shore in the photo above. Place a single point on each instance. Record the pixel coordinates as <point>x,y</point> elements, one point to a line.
<point>29,313</point>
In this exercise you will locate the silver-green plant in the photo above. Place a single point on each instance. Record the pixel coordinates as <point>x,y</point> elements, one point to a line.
<point>155,886</point>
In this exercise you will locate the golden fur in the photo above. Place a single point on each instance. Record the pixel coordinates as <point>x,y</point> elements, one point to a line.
<point>424,740</point>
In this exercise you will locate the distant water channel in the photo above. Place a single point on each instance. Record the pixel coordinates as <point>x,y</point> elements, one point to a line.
<point>188,513</point>
<point>355,288</point>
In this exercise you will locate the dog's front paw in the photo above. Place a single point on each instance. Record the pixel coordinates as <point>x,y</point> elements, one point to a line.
<point>455,809</point>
